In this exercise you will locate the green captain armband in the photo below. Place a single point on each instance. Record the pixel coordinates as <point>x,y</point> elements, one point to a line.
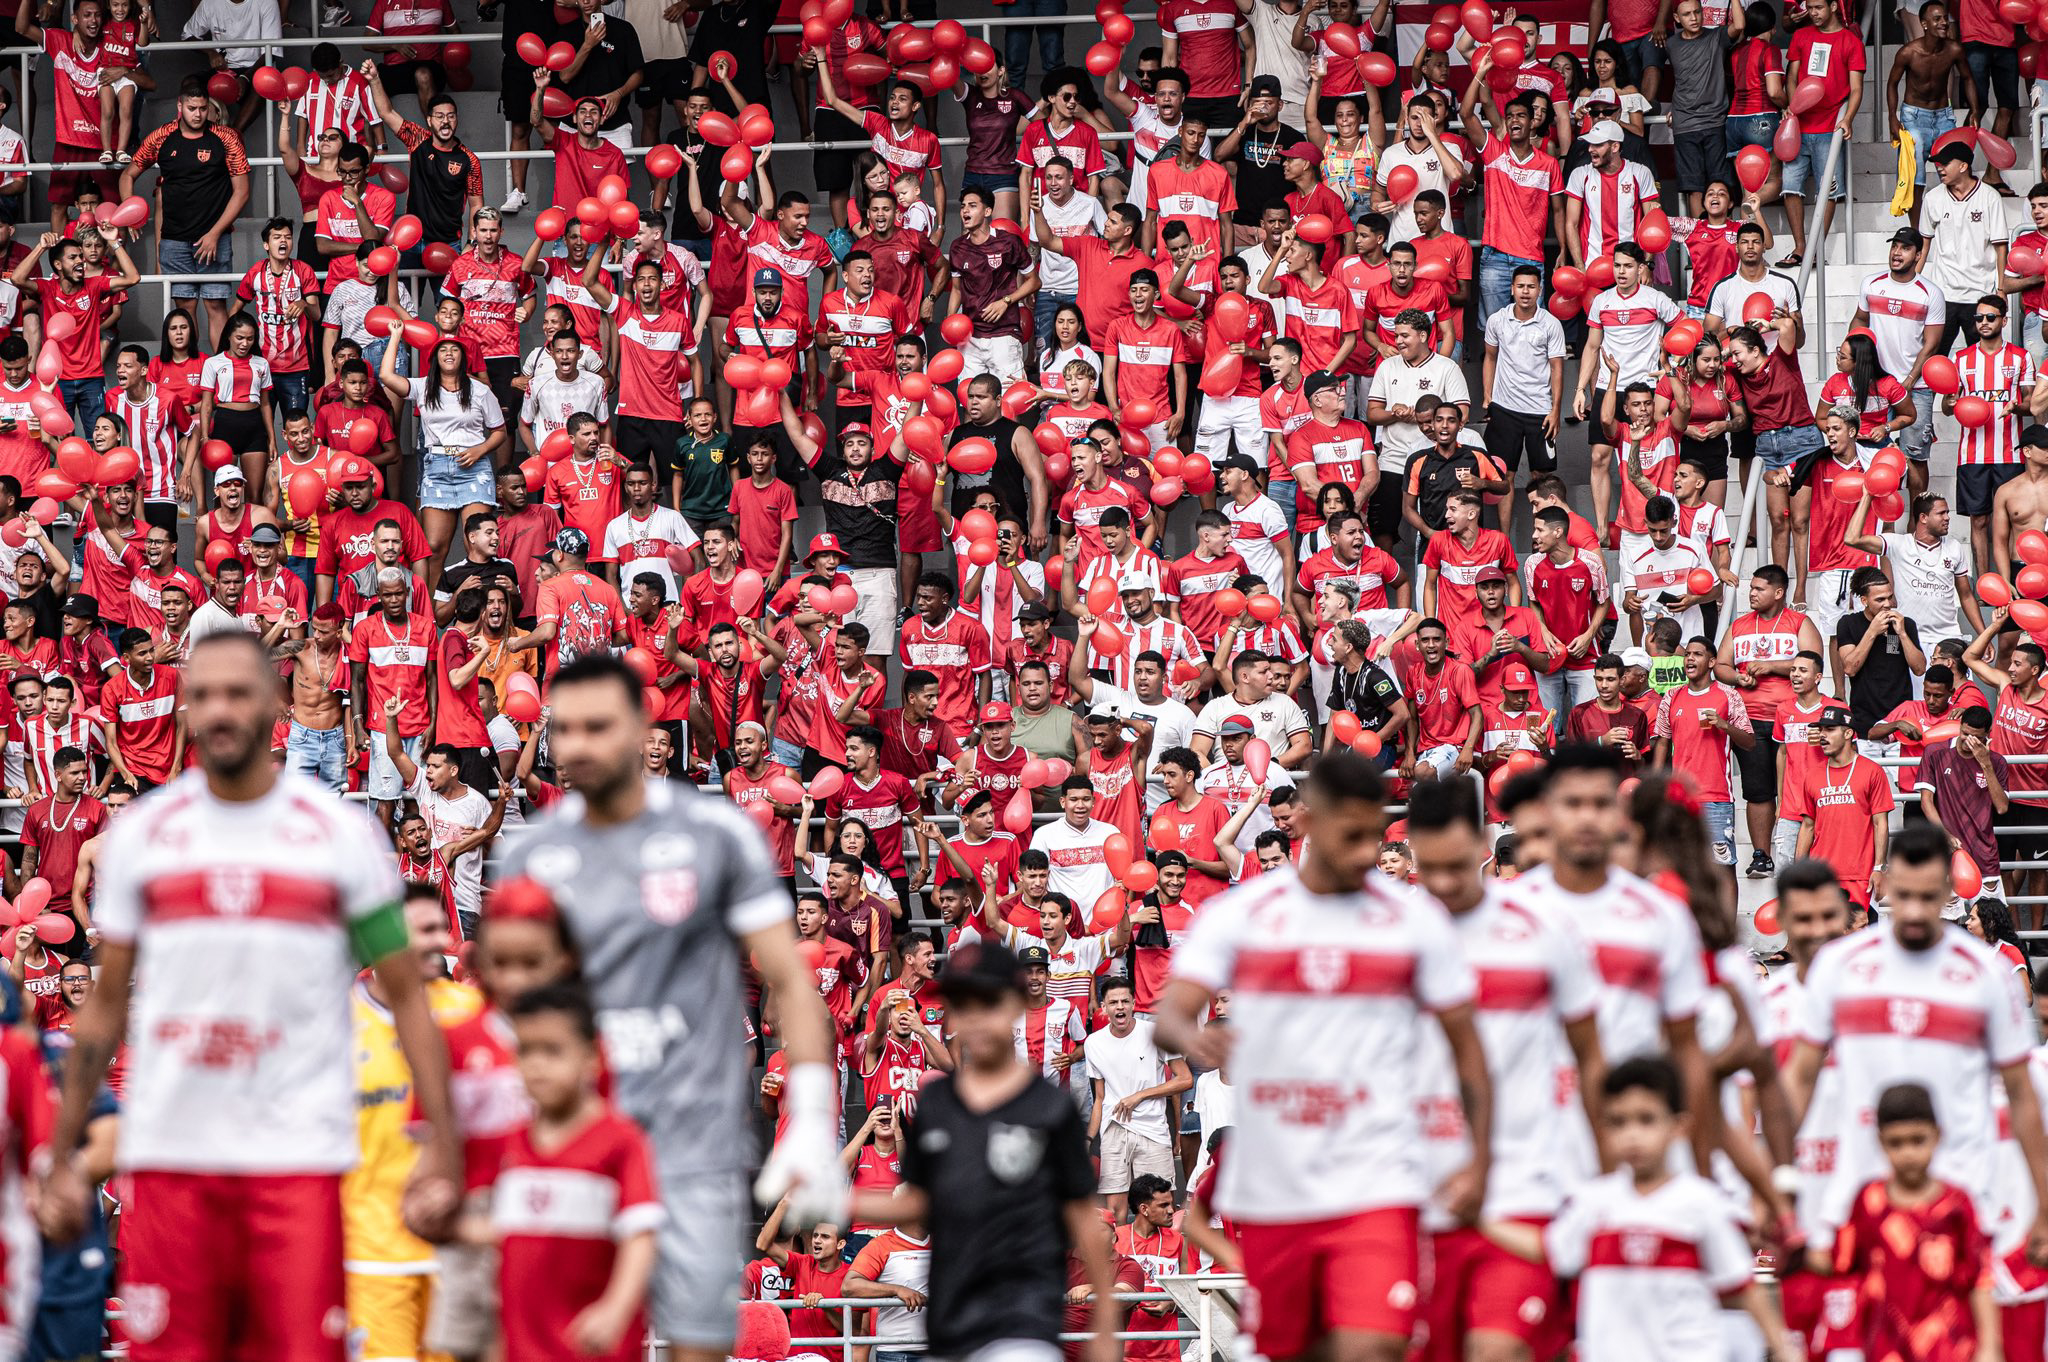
<point>377,934</point>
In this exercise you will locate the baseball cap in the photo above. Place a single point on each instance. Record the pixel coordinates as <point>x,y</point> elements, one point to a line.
<point>82,606</point>
<point>1907,236</point>
<point>982,969</point>
<point>766,277</point>
<point>227,473</point>
<point>1606,130</point>
<point>1635,657</point>
<point>1304,150</point>
<point>1034,611</point>
<point>266,534</point>
<point>1953,151</point>
<point>1133,581</point>
<point>1236,723</point>
<point>1834,716</point>
<point>1516,677</point>
<point>823,543</point>
<point>1318,382</point>
<point>1263,85</point>
<point>572,540</point>
<point>856,428</point>
<point>1105,714</point>
<point>1240,463</point>
<point>352,469</point>
<point>1490,573</point>
<point>997,713</point>
<point>1035,955</point>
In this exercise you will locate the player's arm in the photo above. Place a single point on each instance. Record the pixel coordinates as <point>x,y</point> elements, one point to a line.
<point>598,1326</point>
<point>1465,1190</point>
<point>1084,1232</point>
<point>805,1162</point>
<point>1681,1038</point>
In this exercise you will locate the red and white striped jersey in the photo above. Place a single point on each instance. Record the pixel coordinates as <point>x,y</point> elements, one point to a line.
<point>1946,1017</point>
<point>282,339</point>
<point>155,422</point>
<point>682,274</point>
<point>1142,561</point>
<point>1050,1031</point>
<point>1613,204</point>
<point>565,286</point>
<point>1171,639</point>
<point>1280,639</point>
<point>344,104</point>
<point>2006,375</point>
<point>235,380</point>
<point>45,738</point>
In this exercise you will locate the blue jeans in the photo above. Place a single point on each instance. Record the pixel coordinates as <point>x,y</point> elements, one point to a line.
<point>1497,280</point>
<point>787,753</point>
<point>1810,163</point>
<point>1720,818</point>
<point>373,355</point>
<point>305,570</point>
<point>1787,445</point>
<point>318,752</point>
<point>85,399</point>
<point>1926,125</point>
<point>1043,304</point>
<point>1051,47</point>
<point>290,392</point>
<point>176,257</point>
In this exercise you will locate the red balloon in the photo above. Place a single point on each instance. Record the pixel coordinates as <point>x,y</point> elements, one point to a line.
<point>1377,68</point>
<point>1440,38</point>
<point>1972,412</point>
<point>1221,373</point>
<point>305,493</point>
<point>1315,229</point>
<point>957,328</point>
<point>944,367</point>
<point>1700,581</point>
<point>1969,881</point>
<point>1258,756</point>
<point>827,783</point>
<point>438,257</point>
<point>1939,374</point>
<point>1993,590</point>
<point>421,335</point>
<point>1167,491</point>
<point>978,57</point>
<point>224,86</point>
<point>362,436</point>
<point>612,189</point>
<point>119,467</point>
<point>1402,183</point>
<point>1264,607</point>
<point>2032,582</point>
<point>1787,143</point>
<point>972,456</point>
<point>1848,487</point>
<point>532,49</point>
<point>557,103</point>
<point>1103,58</point>
<point>218,552</point>
<point>215,454</point>
<point>1753,168</point>
<point>1653,230</point>
<point>1229,602</point>
<point>1119,29</point>
<point>268,82</point>
<point>2031,616</point>
<point>1017,814</point>
<point>1882,479</point>
<point>2031,546</point>
<point>1600,273</point>
<point>1807,94</point>
<point>1765,921</point>
<point>380,261</point>
<point>1563,308</point>
<point>1478,20</point>
<point>559,57</point>
<point>1758,308</point>
<point>625,218</point>
<point>717,129</point>
<point>663,161</point>
<point>295,82</point>
<point>455,55</point>
<point>551,224</point>
<point>404,233</point>
<point>1101,595</point>
<point>2030,60</point>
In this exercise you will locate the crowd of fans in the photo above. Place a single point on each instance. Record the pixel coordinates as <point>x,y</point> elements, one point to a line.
<point>1022,536</point>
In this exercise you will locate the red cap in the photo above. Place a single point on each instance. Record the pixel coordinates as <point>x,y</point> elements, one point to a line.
<point>1515,676</point>
<point>823,543</point>
<point>997,713</point>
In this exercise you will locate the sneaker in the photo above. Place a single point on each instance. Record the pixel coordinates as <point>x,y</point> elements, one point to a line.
<point>1760,867</point>
<point>335,16</point>
<point>514,201</point>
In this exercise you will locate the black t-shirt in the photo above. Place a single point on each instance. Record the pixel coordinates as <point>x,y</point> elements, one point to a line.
<point>1260,177</point>
<point>1434,477</point>
<point>542,19</point>
<point>1007,477</point>
<point>999,1184</point>
<point>1885,682</point>
<point>861,511</point>
<point>440,188</point>
<point>615,58</point>
<point>454,578</point>
<point>739,27</point>
<point>1368,692</point>
<point>198,179</point>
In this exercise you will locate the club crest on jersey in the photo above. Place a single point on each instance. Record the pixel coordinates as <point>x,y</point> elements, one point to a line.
<point>669,895</point>
<point>145,1310</point>
<point>1639,1247</point>
<point>1323,968</point>
<point>1906,1016</point>
<point>234,890</point>
<point>1013,1151</point>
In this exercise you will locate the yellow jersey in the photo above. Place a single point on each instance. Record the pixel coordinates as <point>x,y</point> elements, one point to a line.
<point>374,1237</point>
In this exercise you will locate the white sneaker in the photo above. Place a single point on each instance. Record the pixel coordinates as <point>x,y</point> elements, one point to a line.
<point>514,201</point>
<point>335,16</point>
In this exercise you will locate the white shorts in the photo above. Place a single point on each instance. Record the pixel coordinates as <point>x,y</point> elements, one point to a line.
<point>122,86</point>
<point>1442,760</point>
<point>1226,418</point>
<point>1009,1350</point>
<point>1126,1156</point>
<point>384,784</point>
<point>877,608</point>
<point>1002,356</point>
<point>1827,600</point>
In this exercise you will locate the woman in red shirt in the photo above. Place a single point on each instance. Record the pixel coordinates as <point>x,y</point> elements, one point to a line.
<point>311,180</point>
<point>179,358</point>
<point>1712,409</point>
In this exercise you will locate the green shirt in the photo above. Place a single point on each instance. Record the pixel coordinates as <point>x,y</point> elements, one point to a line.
<point>1667,673</point>
<point>707,478</point>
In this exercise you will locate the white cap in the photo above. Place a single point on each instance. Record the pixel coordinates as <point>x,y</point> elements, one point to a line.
<point>1606,130</point>
<point>1134,581</point>
<point>228,472</point>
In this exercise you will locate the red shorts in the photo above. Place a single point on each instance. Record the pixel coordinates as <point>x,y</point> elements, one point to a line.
<point>917,526</point>
<point>65,184</point>
<point>234,1269</point>
<point>1309,1278</point>
<point>2025,1329</point>
<point>1822,1309</point>
<point>1476,1286</point>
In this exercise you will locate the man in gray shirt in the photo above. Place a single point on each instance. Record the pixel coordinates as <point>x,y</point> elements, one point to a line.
<point>1699,96</point>
<point>661,891</point>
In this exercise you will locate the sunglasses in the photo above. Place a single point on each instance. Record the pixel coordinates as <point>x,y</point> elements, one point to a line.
<point>1990,316</point>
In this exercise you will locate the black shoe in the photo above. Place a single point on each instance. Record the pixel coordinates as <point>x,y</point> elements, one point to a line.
<point>1760,867</point>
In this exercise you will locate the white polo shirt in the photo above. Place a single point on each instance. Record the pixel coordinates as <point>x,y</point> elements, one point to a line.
<point>1401,384</point>
<point>1521,370</point>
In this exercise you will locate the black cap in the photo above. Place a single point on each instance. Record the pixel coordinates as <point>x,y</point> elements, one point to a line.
<point>1318,381</point>
<point>266,534</point>
<point>1164,859</point>
<point>1037,610</point>
<point>1263,85</point>
<point>1834,716</point>
<point>1907,236</point>
<point>1035,955</point>
<point>81,606</point>
<point>981,969</point>
<point>1953,151</point>
<point>1241,463</point>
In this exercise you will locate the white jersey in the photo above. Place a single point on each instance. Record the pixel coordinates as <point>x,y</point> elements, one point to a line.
<point>1534,975</point>
<point>1078,868</point>
<point>1945,1017</point>
<point>1327,991</point>
<point>1819,1140</point>
<point>242,916</point>
<point>1646,948</point>
<point>1060,1030</point>
<point>1652,1269</point>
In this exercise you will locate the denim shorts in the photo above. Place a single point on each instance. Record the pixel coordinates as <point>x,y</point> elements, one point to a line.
<point>384,783</point>
<point>1927,126</point>
<point>175,257</point>
<point>1752,130</point>
<point>1644,53</point>
<point>1810,162</point>
<point>787,753</point>
<point>1720,819</point>
<point>1787,445</point>
<point>976,179</point>
<point>446,485</point>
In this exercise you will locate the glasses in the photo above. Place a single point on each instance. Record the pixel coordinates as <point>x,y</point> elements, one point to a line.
<point>1990,316</point>
<point>1066,96</point>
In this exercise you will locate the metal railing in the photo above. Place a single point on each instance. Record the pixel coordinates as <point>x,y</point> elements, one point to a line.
<point>849,1338</point>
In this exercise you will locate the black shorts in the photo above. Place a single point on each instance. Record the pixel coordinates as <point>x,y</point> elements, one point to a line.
<point>1218,111</point>
<point>832,167</point>
<point>1596,432</point>
<point>2021,846</point>
<point>639,440</point>
<point>398,75</point>
<point>1758,768</point>
<point>1977,485</point>
<point>1956,322</point>
<point>665,80</point>
<point>1700,157</point>
<point>500,372</point>
<point>1994,70</point>
<point>515,87</point>
<point>1383,508</point>
<point>1511,433</point>
<point>1710,455</point>
<point>1742,444</point>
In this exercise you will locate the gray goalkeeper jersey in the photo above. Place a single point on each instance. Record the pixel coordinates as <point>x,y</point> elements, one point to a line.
<point>656,908</point>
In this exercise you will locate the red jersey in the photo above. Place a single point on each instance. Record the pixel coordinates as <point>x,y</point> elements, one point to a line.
<point>732,697</point>
<point>785,335</point>
<point>1082,507</point>
<point>1373,573</point>
<point>798,261</point>
<point>345,537</point>
<point>957,652</point>
<point>1145,356</point>
<point>395,658</point>
<point>1320,318</point>
<point>654,354</point>
<point>1696,750</point>
<point>489,1098</point>
<point>284,340</point>
<point>747,791</point>
<point>589,494</point>
<point>144,718</point>
<point>867,327</point>
<point>896,1073</point>
<point>759,513</point>
<point>580,169</point>
<point>1001,776</point>
<point>563,283</point>
<point>1117,792</point>
<point>76,77</point>
<point>57,829</point>
<point>1566,595</point>
<point>911,749</point>
<point>559,1217</point>
<point>1457,568</point>
<point>1198,579</point>
<point>87,307</point>
<point>1918,1266</point>
<point>1841,801</point>
<point>1760,639</point>
<point>490,292</point>
<point>1160,1253</point>
<point>1333,453</point>
<point>1198,828</point>
<point>1444,703</point>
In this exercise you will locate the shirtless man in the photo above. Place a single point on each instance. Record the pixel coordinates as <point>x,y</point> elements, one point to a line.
<point>320,744</point>
<point>117,797</point>
<point>1928,66</point>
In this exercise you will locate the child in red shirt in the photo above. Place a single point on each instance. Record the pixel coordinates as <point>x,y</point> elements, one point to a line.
<point>1914,1241</point>
<point>571,1286</point>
